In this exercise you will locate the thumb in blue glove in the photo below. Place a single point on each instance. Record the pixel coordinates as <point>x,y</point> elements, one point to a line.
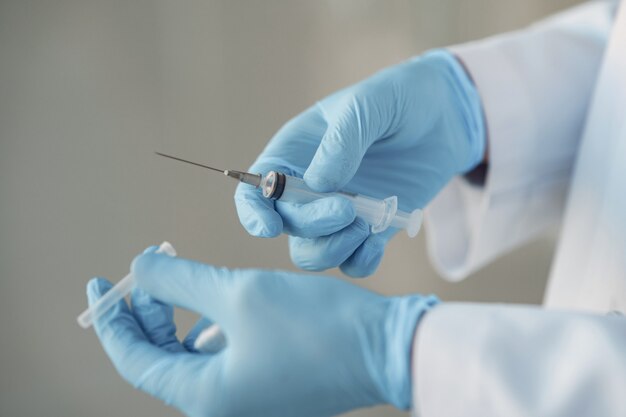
<point>296,345</point>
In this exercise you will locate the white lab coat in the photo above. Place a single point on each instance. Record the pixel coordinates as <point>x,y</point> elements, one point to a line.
<point>554,98</point>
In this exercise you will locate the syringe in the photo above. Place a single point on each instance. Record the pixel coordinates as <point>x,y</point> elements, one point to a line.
<point>379,214</point>
<point>115,294</point>
<point>211,339</point>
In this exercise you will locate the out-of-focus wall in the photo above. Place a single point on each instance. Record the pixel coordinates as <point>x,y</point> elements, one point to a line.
<point>89,89</point>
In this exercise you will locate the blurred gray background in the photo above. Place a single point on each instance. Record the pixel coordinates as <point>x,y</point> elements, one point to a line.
<point>89,89</point>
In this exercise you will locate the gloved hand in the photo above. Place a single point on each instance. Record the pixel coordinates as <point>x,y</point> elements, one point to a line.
<point>406,131</point>
<point>295,345</point>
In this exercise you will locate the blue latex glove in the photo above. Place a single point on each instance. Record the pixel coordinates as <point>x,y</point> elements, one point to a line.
<point>296,345</point>
<point>406,131</point>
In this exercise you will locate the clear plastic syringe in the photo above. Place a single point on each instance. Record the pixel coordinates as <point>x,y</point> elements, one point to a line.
<point>115,294</point>
<point>211,339</point>
<point>379,214</point>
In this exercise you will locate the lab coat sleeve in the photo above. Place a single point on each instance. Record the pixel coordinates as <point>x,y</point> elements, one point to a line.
<point>535,85</point>
<point>480,360</point>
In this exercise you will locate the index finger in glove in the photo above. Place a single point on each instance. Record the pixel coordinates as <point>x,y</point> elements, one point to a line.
<point>320,217</point>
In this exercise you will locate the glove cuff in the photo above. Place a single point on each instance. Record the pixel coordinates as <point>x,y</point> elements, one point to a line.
<point>468,102</point>
<point>389,358</point>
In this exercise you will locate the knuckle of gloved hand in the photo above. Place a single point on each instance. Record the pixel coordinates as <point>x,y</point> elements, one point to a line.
<point>348,158</point>
<point>148,269</point>
<point>366,93</point>
<point>141,265</point>
<point>338,210</point>
<point>244,292</point>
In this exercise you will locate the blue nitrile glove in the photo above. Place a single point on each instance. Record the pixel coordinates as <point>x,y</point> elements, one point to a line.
<point>295,344</point>
<point>406,131</point>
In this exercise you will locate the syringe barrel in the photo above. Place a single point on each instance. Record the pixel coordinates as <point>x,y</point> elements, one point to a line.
<point>115,294</point>
<point>377,213</point>
<point>108,300</point>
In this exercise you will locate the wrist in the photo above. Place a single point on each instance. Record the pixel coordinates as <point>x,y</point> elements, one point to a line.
<point>466,100</point>
<point>388,346</point>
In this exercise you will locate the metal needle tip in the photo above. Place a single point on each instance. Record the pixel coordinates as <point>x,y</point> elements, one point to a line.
<point>190,162</point>
<point>246,177</point>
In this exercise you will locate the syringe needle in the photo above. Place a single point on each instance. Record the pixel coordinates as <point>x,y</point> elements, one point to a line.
<point>245,177</point>
<point>190,162</point>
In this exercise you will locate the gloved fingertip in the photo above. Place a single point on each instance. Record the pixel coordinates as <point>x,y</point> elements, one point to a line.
<point>136,260</point>
<point>142,263</point>
<point>322,183</point>
<point>96,287</point>
<point>151,249</point>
